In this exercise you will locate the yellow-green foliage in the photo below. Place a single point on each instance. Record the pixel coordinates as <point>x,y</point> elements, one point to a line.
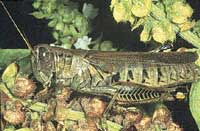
<point>195,102</point>
<point>160,19</point>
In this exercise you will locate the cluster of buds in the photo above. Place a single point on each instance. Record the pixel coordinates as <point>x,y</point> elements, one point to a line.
<point>23,87</point>
<point>137,120</point>
<point>14,115</point>
<point>158,18</point>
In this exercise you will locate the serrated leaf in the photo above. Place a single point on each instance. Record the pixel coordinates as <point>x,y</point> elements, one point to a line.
<point>89,11</point>
<point>38,15</point>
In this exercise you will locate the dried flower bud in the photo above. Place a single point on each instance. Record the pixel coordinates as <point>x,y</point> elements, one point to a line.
<point>96,108</point>
<point>161,115</point>
<point>134,117</point>
<point>130,128</point>
<point>50,110</point>
<point>61,112</point>
<point>50,127</point>
<point>14,117</point>
<point>18,105</point>
<point>64,94</point>
<point>144,124</point>
<point>37,125</point>
<point>92,124</point>
<point>23,87</point>
<point>118,119</point>
<point>60,126</point>
<point>174,127</point>
<point>4,97</point>
<point>47,116</point>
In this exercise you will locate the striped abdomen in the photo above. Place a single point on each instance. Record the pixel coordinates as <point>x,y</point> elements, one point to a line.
<point>162,69</point>
<point>158,75</point>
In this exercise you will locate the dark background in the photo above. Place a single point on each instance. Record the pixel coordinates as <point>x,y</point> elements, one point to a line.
<point>37,32</point>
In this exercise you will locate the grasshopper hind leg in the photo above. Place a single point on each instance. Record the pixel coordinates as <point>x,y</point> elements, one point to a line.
<point>105,114</point>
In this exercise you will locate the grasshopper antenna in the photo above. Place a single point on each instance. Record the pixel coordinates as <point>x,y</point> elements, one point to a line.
<point>19,31</point>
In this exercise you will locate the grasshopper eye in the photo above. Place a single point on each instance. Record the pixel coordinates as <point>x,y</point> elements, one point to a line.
<point>44,54</point>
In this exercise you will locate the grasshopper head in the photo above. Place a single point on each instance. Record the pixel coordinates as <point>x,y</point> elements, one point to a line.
<point>42,64</point>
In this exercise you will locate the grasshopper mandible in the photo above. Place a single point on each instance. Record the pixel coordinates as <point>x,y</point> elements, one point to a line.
<point>148,76</point>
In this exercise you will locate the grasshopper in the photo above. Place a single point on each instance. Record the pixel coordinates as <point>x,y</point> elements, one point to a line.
<point>127,77</point>
<point>124,74</point>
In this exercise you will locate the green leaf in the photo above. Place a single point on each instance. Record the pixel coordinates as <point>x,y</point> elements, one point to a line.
<point>56,35</point>
<point>137,24</point>
<point>65,40</point>
<point>196,28</point>
<point>36,4</point>
<point>107,46</point>
<point>145,34</point>
<point>12,55</point>
<point>10,128</point>
<point>5,90</point>
<point>73,30</point>
<point>52,23</point>
<point>59,26</point>
<point>66,30</point>
<point>9,75</point>
<point>194,102</point>
<point>39,107</point>
<point>68,17</point>
<point>38,15</point>
<point>24,129</point>
<point>89,11</point>
<point>61,10</point>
